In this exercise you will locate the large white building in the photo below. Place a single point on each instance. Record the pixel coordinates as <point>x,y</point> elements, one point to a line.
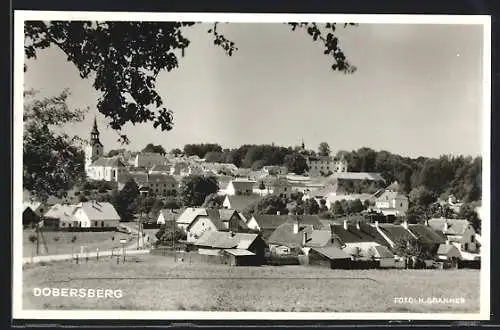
<point>98,167</point>
<point>325,165</point>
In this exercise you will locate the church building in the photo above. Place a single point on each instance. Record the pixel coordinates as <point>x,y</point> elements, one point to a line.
<point>97,166</point>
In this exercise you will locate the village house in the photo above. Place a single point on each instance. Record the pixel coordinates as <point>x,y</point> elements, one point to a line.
<point>32,213</point>
<point>167,216</point>
<point>159,184</point>
<point>324,165</point>
<point>458,232</point>
<point>60,216</point>
<point>362,242</point>
<point>392,203</point>
<point>289,239</point>
<point>329,256</point>
<point>235,249</point>
<point>429,238</point>
<point>149,159</point>
<point>240,202</point>
<point>160,169</point>
<point>96,214</point>
<point>267,223</point>
<point>240,187</point>
<point>107,169</point>
<point>188,216</point>
<point>393,234</point>
<point>214,220</point>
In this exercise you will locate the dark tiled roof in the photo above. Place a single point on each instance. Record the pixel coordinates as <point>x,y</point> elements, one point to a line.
<point>395,232</point>
<point>352,234</point>
<point>284,235</point>
<point>426,234</point>
<point>241,202</point>
<point>331,252</point>
<point>270,221</point>
<point>108,162</point>
<point>319,238</point>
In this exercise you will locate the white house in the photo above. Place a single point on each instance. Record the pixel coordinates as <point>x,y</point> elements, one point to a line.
<point>107,169</point>
<point>240,187</point>
<point>96,214</point>
<point>458,232</point>
<point>392,203</point>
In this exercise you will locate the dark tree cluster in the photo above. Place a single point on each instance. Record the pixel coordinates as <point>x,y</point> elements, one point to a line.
<point>201,149</point>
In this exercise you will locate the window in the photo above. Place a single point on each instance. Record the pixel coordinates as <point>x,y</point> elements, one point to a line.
<point>102,223</point>
<point>401,204</point>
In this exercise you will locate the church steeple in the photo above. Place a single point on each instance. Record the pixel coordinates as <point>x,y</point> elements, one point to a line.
<point>94,134</point>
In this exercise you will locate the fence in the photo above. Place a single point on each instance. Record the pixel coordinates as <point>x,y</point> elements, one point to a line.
<point>79,229</point>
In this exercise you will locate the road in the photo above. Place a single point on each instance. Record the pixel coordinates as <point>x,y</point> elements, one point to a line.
<point>131,249</point>
<point>60,257</point>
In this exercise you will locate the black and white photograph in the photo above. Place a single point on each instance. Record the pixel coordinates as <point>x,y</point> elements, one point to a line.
<point>246,166</point>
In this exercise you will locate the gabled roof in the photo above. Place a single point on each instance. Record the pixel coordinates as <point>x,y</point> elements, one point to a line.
<point>270,221</point>
<point>391,195</point>
<point>331,252</point>
<point>319,238</point>
<point>426,235</point>
<point>226,214</point>
<point>99,210</point>
<point>395,232</point>
<point>168,214</point>
<point>190,214</point>
<point>455,226</point>
<point>33,205</point>
<point>241,202</point>
<point>214,216</point>
<point>226,240</point>
<point>63,212</point>
<point>449,250</point>
<point>108,162</point>
<point>161,178</point>
<point>381,251</point>
<point>284,235</point>
<point>352,234</point>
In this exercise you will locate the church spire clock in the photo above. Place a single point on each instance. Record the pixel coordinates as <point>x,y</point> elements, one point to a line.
<point>94,149</point>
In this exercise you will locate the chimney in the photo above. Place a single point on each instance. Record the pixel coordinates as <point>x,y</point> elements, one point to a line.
<point>426,223</point>
<point>357,225</point>
<point>345,224</point>
<point>376,223</point>
<point>304,238</point>
<point>295,227</point>
<point>445,229</point>
<point>278,213</point>
<point>447,242</point>
<point>405,224</point>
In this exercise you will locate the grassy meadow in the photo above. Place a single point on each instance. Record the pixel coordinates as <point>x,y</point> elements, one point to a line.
<point>59,242</point>
<point>159,283</point>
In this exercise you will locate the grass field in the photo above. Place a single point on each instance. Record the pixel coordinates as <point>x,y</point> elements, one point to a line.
<point>158,283</point>
<point>60,242</point>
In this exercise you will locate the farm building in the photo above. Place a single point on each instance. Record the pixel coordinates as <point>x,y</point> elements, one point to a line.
<point>214,220</point>
<point>235,249</point>
<point>96,214</point>
<point>60,216</point>
<point>267,223</point>
<point>458,231</point>
<point>329,256</point>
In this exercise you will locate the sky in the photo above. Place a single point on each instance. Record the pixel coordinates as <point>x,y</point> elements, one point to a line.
<point>417,90</point>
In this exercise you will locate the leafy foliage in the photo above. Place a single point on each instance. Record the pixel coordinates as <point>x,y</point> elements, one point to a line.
<point>125,200</point>
<point>195,188</point>
<point>52,162</point>
<point>271,204</point>
<point>296,163</point>
<point>213,201</point>
<point>201,149</point>
<point>125,58</point>
<point>157,149</point>
<point>324,149</point>
<point>411,247</point>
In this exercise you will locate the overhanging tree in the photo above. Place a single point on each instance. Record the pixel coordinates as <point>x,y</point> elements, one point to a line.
<point>52,162</point>
<point>125,58</point>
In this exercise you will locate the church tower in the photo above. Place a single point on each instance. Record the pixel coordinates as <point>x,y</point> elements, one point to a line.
<point>94,148</point>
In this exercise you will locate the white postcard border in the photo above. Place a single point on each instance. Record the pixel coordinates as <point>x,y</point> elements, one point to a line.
<point>21,16</point>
